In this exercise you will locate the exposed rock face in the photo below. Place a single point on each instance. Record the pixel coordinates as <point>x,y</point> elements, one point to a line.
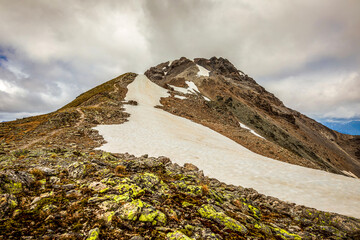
<point>238,98</point>
<point>123,197</point>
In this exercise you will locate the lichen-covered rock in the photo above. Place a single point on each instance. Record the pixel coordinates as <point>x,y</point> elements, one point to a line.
<point>98,186</point>
<point>13,182</point>
<point>77,170</point>
<point>208,211</point>
<point>131,211</point>
<point>7,202</point>
<point>193,190</point>
<point>126,187</point>
<point>47,171</point>
<point>152,215</point>
<point>285,235</point>
<point>93,234</point>
<point>177,235</point>
<point>148,197</point>
<point>147,181</point>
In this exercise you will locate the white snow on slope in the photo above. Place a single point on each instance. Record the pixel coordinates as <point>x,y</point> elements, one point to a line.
<point>252,131</point>
<point>180,97</point>
<point>202,71</point>
<point>158,133</point>
<point>192,87</point>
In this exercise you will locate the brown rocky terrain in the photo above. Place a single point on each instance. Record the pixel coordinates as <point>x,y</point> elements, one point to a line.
<point>235,97</point>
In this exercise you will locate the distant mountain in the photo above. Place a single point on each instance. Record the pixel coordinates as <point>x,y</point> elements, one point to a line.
<point>343,126</point>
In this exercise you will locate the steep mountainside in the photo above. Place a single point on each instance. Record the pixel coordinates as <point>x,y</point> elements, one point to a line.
<point>235,97</point>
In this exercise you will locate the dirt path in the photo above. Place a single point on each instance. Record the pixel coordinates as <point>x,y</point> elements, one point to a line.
<point>40,139</point>
<point>82,117</point>
<point>78,124</point>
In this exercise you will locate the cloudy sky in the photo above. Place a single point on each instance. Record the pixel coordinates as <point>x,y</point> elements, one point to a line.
<point>306,52</point>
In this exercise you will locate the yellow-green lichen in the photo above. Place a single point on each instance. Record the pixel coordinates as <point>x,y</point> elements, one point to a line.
<point>130,189</point>
<point>192,190</point>
<point>14,187</point>
<point>94,234</point>
<point>208,211</point>
<point>152,215</point>
<point>252,210</point>
<point>187,204</point>
<point>130,211</point>
<point>285,235</point>
<point>110,216</point>
<point>177,235</point>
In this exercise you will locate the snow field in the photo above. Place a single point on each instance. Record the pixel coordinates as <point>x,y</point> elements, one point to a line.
<point>158,133</point>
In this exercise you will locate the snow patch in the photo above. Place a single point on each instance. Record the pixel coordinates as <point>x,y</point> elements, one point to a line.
<point>158,133</point>
<point>252,131</point>
<point>192,87</point>
<point>202,71</point>
<point>180,97</point>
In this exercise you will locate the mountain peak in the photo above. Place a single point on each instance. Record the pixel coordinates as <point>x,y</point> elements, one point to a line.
<point>216,66</point>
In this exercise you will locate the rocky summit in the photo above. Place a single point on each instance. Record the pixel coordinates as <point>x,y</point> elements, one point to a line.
<point>55,183</point>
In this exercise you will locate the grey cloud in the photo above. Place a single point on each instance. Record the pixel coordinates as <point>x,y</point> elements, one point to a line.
<point>321,95</point>
<point>65,48</point>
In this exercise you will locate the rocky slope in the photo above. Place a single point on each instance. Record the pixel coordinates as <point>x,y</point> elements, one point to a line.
<point>53,185</point>
<point>60,193</point>
<point>235,97</point>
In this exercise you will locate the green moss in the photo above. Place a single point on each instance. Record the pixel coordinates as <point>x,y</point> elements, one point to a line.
<point>207,211</point>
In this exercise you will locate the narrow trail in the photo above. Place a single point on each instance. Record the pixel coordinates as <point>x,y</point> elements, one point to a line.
<point>44,138</point>
<point>82,117</point>
<point>29,144</point>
